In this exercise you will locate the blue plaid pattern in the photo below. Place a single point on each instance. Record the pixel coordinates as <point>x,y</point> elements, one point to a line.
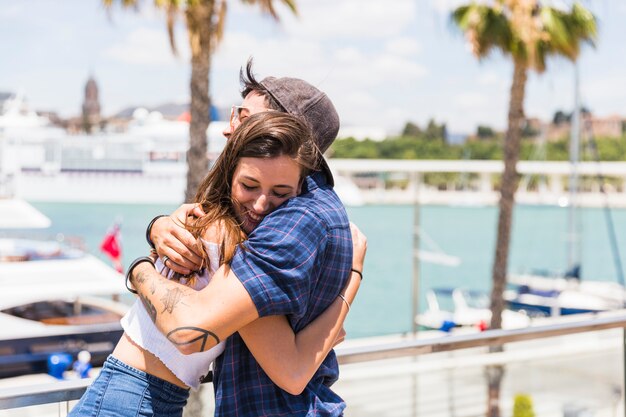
<point>295,263</point>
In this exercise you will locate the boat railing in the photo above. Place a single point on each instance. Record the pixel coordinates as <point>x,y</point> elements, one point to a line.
<point>63,392</point>
<point>64,241</point>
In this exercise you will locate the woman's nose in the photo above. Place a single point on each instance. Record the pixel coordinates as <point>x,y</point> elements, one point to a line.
<point>261,205</point>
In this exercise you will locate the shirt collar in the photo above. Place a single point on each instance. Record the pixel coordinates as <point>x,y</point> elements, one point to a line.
<point>314,181</point>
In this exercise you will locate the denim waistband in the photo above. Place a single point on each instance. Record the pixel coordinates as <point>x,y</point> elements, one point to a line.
<point>116,364</point>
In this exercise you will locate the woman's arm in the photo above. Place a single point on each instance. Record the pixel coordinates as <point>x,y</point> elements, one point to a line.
<point>289,359</point>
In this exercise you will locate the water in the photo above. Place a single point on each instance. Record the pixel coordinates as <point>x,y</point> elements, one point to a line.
<point>383,305</point>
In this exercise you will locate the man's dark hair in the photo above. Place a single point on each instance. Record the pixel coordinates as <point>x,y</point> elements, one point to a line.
<point>299,98</point>
<point>249,83</point>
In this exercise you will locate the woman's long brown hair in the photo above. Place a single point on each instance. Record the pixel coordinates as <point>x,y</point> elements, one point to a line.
<point>263,135</point>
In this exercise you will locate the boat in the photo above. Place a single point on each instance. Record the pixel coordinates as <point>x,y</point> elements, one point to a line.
<point>55,299</point>
<point>552,294</point>
<point>453,309</point>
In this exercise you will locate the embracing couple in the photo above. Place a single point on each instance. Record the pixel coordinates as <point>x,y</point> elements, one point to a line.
<point>250,285</point>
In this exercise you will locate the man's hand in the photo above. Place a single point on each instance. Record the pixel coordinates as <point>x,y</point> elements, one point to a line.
<point>171,239</point>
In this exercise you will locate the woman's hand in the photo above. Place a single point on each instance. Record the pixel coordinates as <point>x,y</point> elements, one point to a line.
<point>173,241</point>
<point>340,337</point>
<point>359,244</point>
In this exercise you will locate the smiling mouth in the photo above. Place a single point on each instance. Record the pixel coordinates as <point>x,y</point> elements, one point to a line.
<point>251,218</point>
<point>254,217</point>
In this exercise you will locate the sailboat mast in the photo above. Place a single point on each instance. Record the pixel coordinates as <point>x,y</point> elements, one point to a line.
<point>574,155</point>
<point>416,246</point>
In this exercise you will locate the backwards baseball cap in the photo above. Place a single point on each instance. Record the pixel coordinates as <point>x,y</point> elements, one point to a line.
<point>302,99</point>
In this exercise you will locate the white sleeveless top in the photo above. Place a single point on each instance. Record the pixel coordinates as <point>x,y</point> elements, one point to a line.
<point>138,325</point>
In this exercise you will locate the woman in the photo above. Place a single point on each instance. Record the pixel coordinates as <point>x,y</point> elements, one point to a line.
<point>271,153</point>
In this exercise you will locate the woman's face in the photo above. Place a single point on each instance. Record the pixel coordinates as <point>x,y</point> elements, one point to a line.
<point>262,184</point>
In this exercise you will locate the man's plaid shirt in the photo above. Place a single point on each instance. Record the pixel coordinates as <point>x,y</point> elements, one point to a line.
<point>295,263</point>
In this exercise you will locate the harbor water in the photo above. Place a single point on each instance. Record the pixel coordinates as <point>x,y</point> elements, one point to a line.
<point>384,303</point>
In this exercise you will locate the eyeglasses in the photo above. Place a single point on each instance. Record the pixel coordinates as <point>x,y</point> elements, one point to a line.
<point>235,114</point>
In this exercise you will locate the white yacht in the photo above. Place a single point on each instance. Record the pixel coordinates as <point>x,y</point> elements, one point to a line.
<point>146,163</point>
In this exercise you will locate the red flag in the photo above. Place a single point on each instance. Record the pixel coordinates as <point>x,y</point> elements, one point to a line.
<point>110,245</point>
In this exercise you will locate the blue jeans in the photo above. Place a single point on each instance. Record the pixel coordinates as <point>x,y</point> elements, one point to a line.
<point>121,390</point>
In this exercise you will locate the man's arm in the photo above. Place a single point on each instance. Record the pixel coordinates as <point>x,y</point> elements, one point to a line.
<point>194,321</point>
<point>291,360</point>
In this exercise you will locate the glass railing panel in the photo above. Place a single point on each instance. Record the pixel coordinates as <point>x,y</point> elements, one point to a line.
<point>573,369</point>
<point>577,375</point>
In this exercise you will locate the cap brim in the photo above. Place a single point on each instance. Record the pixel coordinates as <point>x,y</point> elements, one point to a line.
<point>325,169</point>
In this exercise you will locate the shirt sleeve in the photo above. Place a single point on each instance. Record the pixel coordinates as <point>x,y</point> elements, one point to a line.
<point>277,264</point>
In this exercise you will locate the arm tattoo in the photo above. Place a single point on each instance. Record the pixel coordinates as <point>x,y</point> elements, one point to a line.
<point>140,277</point>
<point>204,334</point>
<point>171,299</point>
<point>152,287</point>
<point>149,307</point>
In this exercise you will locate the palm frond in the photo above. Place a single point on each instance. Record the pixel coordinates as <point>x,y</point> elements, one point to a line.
<point>219,22</point>
<point>486,28</point>
<point>172,15</point>
<point>267,6</point>
<point>292,6</point>
<point>127,4</point>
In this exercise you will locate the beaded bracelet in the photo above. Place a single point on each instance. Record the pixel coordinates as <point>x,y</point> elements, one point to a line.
<point>130,270</point>
<point>358,272</point>
<point>149,229</point>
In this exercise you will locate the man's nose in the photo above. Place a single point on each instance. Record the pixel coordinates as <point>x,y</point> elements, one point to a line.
<point>228,130</point>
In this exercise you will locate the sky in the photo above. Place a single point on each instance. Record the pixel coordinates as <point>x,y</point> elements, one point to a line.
<point>382,62</point>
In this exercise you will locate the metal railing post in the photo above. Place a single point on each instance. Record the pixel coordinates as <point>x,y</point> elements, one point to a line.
<point>623,393</point>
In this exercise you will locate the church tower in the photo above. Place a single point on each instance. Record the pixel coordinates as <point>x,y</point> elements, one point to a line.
<point>91,106</point>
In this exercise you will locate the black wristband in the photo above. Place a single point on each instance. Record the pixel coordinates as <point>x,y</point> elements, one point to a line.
<point>149,229</point>
<point>358,272</point>
<point>130,270</point>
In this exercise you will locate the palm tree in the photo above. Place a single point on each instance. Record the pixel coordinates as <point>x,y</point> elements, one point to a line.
<point>528,33</point>
<point>205,26</point>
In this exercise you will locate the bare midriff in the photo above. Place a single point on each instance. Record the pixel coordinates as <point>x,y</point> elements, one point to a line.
<point>137,357</point>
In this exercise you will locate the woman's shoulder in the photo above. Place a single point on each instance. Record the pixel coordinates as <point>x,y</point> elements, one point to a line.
<point>213,233</point>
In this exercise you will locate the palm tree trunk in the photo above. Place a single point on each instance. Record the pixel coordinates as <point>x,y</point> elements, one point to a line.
<point>200,27</point>
<point>508,187</point>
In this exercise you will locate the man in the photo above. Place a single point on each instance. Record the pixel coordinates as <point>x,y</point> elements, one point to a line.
<point>294,264</point>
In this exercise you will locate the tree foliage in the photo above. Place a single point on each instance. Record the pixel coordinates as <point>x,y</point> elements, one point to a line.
<point>411,147</point>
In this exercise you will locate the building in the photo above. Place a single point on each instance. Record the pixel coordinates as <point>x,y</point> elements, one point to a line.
<point>91,107</point>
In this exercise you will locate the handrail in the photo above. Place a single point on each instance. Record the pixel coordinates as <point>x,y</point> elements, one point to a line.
<point>73,389</point>
<point>52,392</point>
<point>475,166</point>
<point>410,347</point>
